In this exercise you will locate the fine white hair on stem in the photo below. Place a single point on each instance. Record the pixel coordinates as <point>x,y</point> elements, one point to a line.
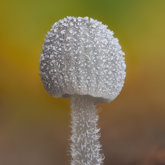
<point>85,145</point>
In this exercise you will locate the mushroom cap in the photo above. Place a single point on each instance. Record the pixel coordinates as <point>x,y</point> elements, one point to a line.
<point>82,57</point>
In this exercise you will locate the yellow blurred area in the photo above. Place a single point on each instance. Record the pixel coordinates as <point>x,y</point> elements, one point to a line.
<point>35,128</point>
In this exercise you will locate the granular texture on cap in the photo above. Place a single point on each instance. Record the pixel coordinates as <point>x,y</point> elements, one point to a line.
<point>81,56</point>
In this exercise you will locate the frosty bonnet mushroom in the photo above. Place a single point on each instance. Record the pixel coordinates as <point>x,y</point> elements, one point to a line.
<point>81,59</point>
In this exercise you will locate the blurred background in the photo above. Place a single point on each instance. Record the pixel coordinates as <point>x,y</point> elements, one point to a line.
<point>35,127</point>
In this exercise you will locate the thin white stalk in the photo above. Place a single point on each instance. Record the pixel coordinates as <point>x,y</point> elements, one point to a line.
<point>85,146</point>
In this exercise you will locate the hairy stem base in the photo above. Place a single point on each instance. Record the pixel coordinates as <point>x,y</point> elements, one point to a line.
<point>85,146</point>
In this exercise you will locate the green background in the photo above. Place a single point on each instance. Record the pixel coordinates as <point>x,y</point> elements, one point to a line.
<point>35,127</point>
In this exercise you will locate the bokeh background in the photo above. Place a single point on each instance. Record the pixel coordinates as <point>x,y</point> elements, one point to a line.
<point>35,127</point>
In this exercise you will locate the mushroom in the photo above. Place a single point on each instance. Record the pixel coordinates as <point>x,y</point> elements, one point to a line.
<point>81,59</point>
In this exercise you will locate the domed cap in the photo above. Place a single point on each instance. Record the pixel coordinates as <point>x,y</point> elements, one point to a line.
<point>81,57</point>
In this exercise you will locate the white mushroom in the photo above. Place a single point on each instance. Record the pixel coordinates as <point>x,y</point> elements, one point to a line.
<point>81,59</point>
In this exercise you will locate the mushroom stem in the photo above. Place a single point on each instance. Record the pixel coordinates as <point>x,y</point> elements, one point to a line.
<point>85,146</point>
